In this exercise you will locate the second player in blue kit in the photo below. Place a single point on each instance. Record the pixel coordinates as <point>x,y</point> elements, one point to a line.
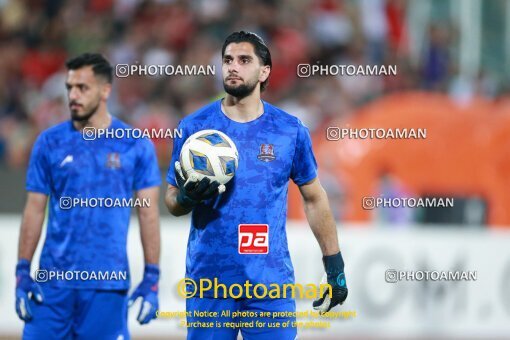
<point>80,289</point>
<point>274,147</point>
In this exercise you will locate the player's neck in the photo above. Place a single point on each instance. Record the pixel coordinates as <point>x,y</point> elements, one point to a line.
<point>242,110</point>
<point>101,120</point>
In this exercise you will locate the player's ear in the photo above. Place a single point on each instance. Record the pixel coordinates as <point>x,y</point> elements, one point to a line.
<point>106,88</point>
<point>264,73</point>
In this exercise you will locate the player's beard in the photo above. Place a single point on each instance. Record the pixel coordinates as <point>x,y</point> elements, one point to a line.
<point>86,116</point>
<point>240,91</point>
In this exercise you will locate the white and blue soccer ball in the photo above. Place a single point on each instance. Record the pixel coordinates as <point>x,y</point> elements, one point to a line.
<point>209,153</point>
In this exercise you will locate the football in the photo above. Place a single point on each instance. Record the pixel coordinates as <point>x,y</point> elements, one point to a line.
<point>209,153</point>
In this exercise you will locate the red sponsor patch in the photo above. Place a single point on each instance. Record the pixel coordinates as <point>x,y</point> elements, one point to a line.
<point>253,238</point>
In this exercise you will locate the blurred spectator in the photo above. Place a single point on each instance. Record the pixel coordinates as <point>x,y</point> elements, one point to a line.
<point>397,26</point>
<point>374,24</point>
<point>436,66</point>
<point>391,187</point>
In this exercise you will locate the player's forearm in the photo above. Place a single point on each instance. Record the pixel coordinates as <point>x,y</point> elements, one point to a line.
<point>151,238</point>
<point>171,202</point>
<point>148,218</point>
<point>322,223</point>
<point>30,232</point>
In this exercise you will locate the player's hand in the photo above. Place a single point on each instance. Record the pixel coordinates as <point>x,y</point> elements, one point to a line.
<point>334,266</point>
<point>192,191</point>
<point>148,291</point>
<point>26,289</point>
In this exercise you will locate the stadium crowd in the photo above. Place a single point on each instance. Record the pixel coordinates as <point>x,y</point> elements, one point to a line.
<point>37,36</point>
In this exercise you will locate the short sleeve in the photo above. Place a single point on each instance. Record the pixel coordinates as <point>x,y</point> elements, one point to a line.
<point>147,169</point>
<point>38,173</point>
<point>304,166</point>
<point>176,151</point>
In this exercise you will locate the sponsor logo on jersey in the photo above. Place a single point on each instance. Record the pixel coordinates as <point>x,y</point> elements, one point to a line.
<point>68,159</point>
<point>253,239</point>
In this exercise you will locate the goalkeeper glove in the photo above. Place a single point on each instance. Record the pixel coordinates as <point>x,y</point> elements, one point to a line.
<point>192,191</point>
<point>148,291</point>
<point>334,266</point>
<point>26,289</point>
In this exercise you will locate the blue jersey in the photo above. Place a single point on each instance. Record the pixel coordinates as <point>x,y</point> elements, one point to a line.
<point>227,236</point>
<point>89,239</point>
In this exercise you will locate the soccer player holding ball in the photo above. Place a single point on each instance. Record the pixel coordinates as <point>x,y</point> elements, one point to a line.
<point>65,165</point>
<point>273,147</point>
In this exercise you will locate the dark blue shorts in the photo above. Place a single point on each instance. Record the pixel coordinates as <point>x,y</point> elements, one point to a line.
<point>69,313</point>
<point>229,306</point>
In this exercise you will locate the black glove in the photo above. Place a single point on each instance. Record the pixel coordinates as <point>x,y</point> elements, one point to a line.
<point>334,266</point>
<point>193,191</point>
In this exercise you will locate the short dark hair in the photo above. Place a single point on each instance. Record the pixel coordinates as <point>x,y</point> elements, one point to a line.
<point>100,65</point>
<point>259,45</point>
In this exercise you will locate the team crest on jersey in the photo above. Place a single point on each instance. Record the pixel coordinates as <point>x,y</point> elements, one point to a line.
<point>266,153</point>
<point>113,160</point>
